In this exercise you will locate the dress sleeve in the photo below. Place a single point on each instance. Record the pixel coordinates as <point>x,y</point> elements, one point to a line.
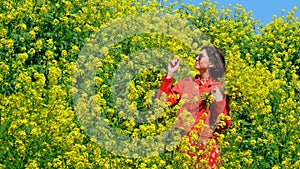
<point>173,94</point>
<point>220,107</point>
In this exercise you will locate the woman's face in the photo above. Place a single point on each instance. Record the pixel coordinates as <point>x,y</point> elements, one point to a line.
<point>202,61</point>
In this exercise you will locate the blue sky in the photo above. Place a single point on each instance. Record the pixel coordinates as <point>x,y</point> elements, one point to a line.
<point>262,10</point>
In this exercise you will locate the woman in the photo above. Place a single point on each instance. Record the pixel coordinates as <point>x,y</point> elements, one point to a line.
<point>210,63</point>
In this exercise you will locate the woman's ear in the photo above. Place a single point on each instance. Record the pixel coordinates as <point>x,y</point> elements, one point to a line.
<point>211,65</point>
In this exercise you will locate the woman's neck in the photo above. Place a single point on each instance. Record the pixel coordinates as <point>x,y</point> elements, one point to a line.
<point>204,75</point>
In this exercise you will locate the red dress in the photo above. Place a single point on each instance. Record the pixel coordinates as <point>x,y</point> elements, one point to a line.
<point>189,89</point>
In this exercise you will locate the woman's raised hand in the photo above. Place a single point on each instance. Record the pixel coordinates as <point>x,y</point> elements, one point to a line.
<point>172,68</point>
<point>218,94</point>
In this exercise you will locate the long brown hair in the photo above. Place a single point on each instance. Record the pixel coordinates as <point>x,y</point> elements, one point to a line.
<point>218,71</point>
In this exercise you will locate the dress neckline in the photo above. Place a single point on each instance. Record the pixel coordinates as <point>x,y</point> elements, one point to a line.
<point>201,82</point>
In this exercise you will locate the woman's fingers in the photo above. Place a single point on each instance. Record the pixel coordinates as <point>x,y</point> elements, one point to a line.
<point>174,63</point>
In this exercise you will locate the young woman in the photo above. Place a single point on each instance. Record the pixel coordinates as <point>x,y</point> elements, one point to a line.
<point>210,63</point>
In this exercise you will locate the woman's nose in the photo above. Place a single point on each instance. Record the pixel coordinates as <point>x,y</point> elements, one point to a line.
<point>198,57</point>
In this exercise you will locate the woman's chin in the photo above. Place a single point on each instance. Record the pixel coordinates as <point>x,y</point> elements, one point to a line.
<point>201,69</point>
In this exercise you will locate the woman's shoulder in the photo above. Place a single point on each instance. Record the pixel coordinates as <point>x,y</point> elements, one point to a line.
<point>187,79</point>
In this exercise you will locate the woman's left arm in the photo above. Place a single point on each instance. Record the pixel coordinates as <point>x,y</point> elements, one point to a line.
<point>220,105</point>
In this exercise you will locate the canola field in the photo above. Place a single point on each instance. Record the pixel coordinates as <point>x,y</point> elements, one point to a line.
<point>41,120</point>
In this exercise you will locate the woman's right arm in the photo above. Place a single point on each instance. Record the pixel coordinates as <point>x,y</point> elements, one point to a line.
<point>173,94</point>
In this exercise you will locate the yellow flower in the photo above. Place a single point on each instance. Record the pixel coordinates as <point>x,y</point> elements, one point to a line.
<point>36,28</point>
<point>22,57</point>
<point>55,21</point>
<point>275,167</point>
<point>9,43</point>
<point>75,48</point>
<point>259,128</point>
<point>239,139</point>
<point>253,142</point>
<point>23,26</point>
<point>3,32</point>
<point>31,51</point>
<point>64,53</point>
<point>77,29</point>
<point>39,44</point>
<point>49,54</point>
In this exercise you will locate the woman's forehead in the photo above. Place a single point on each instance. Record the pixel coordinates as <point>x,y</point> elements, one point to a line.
<point>203,52</point>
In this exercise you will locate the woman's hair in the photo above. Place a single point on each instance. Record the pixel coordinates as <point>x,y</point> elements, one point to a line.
<point>216,57</point>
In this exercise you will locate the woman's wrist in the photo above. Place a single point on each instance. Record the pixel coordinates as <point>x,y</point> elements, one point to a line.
<point>219,98</point>
<point>169,75</point>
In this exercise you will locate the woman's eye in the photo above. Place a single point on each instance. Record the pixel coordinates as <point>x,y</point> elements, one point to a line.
<point>198,57</point>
